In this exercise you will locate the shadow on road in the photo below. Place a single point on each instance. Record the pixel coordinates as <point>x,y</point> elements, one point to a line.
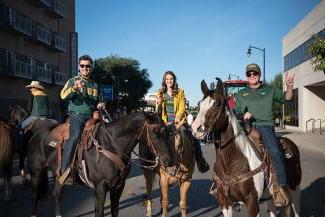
<point>313,199</point>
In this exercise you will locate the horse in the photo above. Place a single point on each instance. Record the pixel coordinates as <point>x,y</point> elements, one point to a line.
<point>240,174</point>
<point>117,138</point>
<point>181,145</point>
<point>7,150</point>
<point>17,114</point>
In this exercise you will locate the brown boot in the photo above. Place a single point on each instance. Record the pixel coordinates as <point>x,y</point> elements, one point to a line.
<point>280,195</point>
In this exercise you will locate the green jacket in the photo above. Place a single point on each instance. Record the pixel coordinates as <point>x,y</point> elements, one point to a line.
<point>84,102</point>
<point>259,103</point>
<point>40,104</point>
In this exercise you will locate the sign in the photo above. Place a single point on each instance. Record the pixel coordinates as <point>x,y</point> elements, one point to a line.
<point>107,92</point>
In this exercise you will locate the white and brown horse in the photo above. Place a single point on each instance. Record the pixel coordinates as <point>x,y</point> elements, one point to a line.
<point>240,174</point>
<point>184,160</point>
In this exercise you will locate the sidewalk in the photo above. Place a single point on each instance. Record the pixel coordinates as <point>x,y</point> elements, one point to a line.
<point>309,141</point>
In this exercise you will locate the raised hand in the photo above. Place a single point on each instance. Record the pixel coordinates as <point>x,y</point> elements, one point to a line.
<point>289,79</point>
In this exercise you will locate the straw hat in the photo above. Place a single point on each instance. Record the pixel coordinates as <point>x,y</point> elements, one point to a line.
<point>35,84</point>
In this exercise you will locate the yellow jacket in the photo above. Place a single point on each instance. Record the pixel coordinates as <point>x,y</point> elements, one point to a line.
<point>179,105</point>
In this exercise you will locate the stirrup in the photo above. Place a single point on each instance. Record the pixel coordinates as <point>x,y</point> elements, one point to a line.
<point>64,176</point>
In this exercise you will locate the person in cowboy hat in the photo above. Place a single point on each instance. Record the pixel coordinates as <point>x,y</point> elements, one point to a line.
<point>40,103</point>
<point>254,103</point>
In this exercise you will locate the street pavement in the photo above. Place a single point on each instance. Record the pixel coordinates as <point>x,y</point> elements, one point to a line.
<point>78,201</point>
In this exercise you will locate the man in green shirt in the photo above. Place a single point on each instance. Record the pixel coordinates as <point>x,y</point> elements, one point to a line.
<point>83,98</point>
<point>255,103</point>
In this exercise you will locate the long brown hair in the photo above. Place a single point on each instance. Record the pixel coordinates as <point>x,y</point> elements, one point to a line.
<point>163,88</point>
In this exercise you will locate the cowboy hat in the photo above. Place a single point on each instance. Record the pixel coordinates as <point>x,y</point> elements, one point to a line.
<point>35,84</point>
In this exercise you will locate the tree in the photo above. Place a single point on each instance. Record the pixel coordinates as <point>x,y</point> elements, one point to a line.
<point>317,51</point>
<point>277,82</point>
<point>130,83</point>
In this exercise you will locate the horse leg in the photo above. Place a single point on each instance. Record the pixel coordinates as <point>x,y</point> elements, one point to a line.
<point>57,193</point>
<point>149,177</point>
<point>252,206</point>
<point>227,212</point>
<point>271,208</point>
<point>185,186</point>
<point>295,199</point>
<point>100,196</point>
<point>8,188</point>
<point>164,188</point>
<point>115,195</point>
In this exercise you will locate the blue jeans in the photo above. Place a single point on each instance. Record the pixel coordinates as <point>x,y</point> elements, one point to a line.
<point>272,144</point>
<point>77,122</point>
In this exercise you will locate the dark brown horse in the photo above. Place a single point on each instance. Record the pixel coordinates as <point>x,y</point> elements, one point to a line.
<point>7,150</point>
<point>240,174</point>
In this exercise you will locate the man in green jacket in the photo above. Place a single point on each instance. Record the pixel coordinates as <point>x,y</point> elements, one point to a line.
<point>255,103</point>
<point>83,99</point>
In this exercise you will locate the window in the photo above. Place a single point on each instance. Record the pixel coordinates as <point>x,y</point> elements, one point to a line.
<point>19,21</point>
<point>23,66</point>
<point>58,7</point>
<point>43,34</point>
<point>291,117</point>
<point>44,72</point>
<point>60,78</point>
<point>300,54</point>
<point>60,43</point>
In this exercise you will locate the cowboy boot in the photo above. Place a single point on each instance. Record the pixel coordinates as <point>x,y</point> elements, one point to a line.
<point>201,163</point>
<point>280,195</point>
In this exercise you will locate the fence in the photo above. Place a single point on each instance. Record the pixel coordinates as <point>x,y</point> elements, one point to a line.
<point>313,122</point>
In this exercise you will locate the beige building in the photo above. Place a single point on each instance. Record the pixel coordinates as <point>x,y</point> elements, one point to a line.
<point>308,106</point>
<point>37,42</point>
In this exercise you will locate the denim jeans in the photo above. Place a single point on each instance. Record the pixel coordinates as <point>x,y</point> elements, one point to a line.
<point>77,122</point>
<point>272,144</point>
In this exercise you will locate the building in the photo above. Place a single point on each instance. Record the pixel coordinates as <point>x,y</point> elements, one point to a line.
<point>308,106</point>
<point>37,42</point>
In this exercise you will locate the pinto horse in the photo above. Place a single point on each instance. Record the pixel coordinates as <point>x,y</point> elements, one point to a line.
<point>119,137</point>
<point>7,150</point>
<point>240,175</point>
<point>181,146</point>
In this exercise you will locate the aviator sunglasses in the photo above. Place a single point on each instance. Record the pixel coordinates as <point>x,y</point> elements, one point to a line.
<point>83,66</point>
<point>250,74</point>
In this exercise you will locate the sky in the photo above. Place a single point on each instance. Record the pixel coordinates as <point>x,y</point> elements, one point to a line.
<point>196,39</point>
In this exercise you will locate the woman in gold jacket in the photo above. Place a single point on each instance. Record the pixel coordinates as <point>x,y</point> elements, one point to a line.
<point>170,104</point>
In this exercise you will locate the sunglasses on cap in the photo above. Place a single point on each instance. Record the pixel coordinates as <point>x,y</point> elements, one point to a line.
<point>83,66</point>
<point>250,74</point>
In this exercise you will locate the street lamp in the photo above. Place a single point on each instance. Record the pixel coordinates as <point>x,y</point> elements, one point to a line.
<point>249,52</point>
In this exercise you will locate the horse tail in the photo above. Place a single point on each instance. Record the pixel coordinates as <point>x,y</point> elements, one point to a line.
<point>7,146</point>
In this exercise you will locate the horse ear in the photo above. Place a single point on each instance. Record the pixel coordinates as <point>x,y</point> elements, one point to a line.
<point>204,88</point>
<point>219,86</point>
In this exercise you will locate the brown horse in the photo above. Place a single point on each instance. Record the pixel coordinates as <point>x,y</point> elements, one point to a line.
<point>180,174</point>
<point>7,150</point>
<point>240,173</point>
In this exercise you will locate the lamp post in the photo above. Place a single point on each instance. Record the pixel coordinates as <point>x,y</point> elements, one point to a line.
<point>249,52</point>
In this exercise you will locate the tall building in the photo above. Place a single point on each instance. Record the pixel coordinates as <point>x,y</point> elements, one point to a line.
<point>308,106</point>
<point>37,42</point>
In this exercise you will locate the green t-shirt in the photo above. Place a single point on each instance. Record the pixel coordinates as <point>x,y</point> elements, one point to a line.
<point>170,107</point>
<point>259,102</point>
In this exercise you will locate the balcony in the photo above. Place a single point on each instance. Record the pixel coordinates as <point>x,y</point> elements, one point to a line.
<point>59,43</point>
<point>41,3</point>
<point>44,73</point>
<point>23,66</point>
<point>60,78</point>
<point>17,21</point>
<point>57,9</point>
<point>43,34</point>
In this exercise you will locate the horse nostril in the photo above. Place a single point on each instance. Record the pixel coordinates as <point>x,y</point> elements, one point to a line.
<point>200,129</point>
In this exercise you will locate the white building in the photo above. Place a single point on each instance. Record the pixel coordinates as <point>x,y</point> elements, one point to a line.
<point>308,106</point>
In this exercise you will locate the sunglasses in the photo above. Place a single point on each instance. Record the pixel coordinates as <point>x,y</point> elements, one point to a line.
<point>83,66</point>
<point>250,74</point>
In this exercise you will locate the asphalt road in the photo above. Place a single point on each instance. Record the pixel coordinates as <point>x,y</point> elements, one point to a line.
<point>78,201</point>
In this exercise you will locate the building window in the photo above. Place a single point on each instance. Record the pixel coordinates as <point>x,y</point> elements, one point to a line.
<point>59,43</point>
<point>43,34</point>
<point>23,66</point>
<point>60,78</point>
<point>46,2</point>
<point>58,7</point>
<point>44,72</point>
<point>19,22</point>
<point>300,54</point>
<point>291,117</point>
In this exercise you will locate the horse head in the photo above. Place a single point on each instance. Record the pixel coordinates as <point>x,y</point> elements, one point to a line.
<point>156,138</point>
<point>212,110</point>
<point>17,114</point>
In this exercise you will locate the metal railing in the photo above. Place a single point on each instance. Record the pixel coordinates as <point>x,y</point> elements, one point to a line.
<point>312,126</point>
<point>320,125</point>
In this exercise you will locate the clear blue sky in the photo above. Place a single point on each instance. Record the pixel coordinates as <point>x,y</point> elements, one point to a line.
<point>197,39</point>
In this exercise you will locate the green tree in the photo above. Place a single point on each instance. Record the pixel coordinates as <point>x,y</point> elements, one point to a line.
<point>130,83</point>
<point>317,51</point>
<point>277,82</point>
